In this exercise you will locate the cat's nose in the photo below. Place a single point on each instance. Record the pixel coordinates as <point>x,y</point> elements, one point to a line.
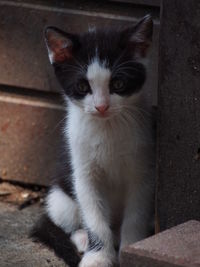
<point>102,109</point>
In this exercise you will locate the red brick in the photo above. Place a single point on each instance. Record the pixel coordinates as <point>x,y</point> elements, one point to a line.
<point>29,138</point>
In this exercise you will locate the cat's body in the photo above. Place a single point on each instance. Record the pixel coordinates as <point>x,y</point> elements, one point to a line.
<point>109,136</point>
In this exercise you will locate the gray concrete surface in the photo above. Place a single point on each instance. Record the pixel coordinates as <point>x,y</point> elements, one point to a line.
<point>16,249</point>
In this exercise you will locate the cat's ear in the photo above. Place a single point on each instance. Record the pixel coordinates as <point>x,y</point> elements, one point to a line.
<point>60,45</point>
<point>139,37</point>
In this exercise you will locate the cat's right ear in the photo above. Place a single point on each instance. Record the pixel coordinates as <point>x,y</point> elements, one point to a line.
<point>139,38</point>
<point>60,44</point>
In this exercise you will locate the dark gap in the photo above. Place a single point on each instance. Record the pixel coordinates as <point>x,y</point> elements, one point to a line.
<point>117,7</point>
<point>33,187</point>
<point>197,155</point>
<point>56,97</point>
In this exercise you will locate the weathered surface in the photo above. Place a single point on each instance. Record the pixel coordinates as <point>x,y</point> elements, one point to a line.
<point>16,249</point>
<point>22,197</point>
<point>178,246</point>
<point>29,138</point>
<point>23,58</point>
<point>178,191</point>
<point>142,2</point>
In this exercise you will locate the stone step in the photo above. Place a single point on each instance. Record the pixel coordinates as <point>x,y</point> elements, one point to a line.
<point>178,246</point>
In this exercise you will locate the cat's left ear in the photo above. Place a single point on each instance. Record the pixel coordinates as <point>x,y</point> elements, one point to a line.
<point>60,45</point>
<point>139,37</point>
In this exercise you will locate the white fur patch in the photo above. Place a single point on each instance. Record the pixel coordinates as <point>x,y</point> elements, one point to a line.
<point>62,210</point>
<point>97,259</point>
<point>109,157</point>
<point>80,240</point>
<point>99,77</point>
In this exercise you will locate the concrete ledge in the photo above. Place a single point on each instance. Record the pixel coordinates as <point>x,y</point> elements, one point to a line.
<point>178,246</point>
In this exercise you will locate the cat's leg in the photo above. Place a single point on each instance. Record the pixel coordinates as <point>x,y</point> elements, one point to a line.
<point>137,219</point>
<point>101,251</point>
<point>62,209</point>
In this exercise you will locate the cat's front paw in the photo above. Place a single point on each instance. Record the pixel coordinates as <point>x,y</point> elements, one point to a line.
<point>80,239</point>
<point>96,259</point>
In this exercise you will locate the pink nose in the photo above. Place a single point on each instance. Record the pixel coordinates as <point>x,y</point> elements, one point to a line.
<point>102,109</point>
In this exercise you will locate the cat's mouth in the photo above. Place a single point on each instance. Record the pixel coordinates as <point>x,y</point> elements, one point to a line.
<point>101,115</point>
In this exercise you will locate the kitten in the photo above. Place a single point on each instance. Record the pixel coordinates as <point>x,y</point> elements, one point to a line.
<point>108,133</point>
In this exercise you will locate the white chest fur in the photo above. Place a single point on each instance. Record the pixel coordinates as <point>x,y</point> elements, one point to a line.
<point>111,147</point>
<point>113,155</point>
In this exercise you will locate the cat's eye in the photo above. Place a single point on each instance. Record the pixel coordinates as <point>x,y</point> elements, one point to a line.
<point>83,87</point>
<point>117,85</point>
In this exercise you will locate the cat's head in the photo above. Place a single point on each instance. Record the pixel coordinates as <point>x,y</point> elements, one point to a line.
<point>101,71</point>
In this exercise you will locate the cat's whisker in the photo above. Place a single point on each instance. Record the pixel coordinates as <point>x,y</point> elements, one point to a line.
<point>126,67</point>
<point>72,69</point>
<point>58,124</point>
<point>141,113</point>
<point>123,70</point>
<point>116,71</point>
<point>82,65</point>
<point>118,60</point>
<point>123,63</point>
<point>144,111</point>
<point>133,116</point>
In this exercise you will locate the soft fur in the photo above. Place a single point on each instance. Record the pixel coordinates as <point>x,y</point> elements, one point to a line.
<point>109,136</point>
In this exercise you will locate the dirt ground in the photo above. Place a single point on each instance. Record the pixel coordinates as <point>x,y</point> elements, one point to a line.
<point>20,207</point>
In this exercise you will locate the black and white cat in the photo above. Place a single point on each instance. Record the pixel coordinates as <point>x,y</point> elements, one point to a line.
<point>109,136</point>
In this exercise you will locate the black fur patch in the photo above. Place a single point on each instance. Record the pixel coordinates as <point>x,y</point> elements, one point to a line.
<point>55,238</point>
<point>119,50</point>
<point>110,48</point>
<point>62,175</point>
<point>94,242</point>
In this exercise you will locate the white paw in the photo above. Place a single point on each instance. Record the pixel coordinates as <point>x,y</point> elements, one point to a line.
<point>80,239</point>
<point>96,259</point>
